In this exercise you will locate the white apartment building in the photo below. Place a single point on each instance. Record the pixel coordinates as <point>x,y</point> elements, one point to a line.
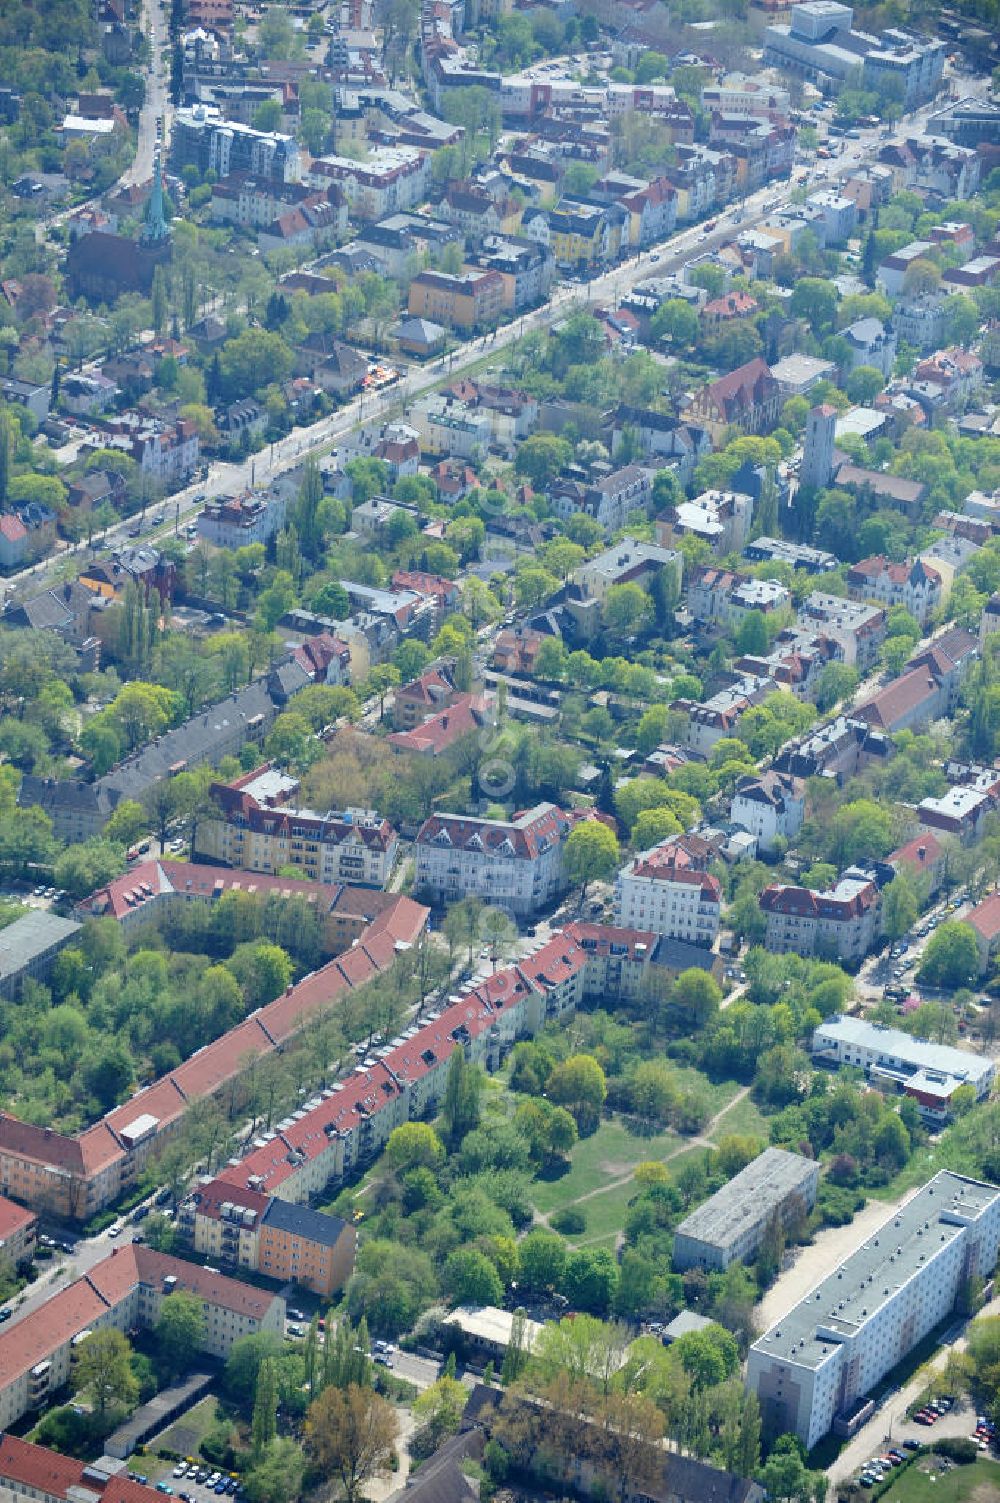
<point>811,1370</point>
<point>858,629</point>
<point>730,1225</point>
<point>770,807</point>
<point>667,890</point>
<point>260,829</point>
<point>918,587</point>
<point>721,518</point>
<point>841,923</point>
<point>715,594</point>
<point>390,179</point>
<point>235,522</point>
<point>514,864</point>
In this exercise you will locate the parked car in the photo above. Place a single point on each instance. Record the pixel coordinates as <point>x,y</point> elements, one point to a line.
<point>180,1470</point>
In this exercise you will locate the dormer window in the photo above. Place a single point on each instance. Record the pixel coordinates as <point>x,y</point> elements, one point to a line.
<point>442,838</point>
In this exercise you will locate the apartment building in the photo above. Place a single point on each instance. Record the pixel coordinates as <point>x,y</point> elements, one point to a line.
<point>127,1291</point>
<point>241,1228</point>
<point>200,137</point>
<point>472,300</point>
<point>18,1234</point>
<point>893,1060</point>
<point>841,923</point>
<point>391,178</point>
<point>722,595</point>
<point>434,690</point>
<point>259,828</point>
<point>812,1370</point>
<point>236,522</point>
<point>730,1226</point>
<point>515,864</point>
<point>916,586</point>
<point>722,519</point>
<point>611,500</point>
<point>526,268</point>
<point>669,890</point>
<point>29,946</point>
<point>857,628</point>
<point>405,1080</point>
<point>771,807</point>
<point>73,1177</point>
<point>629,562</point>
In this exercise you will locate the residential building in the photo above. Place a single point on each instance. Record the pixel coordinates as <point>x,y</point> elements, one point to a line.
<point>434,690</point>
<point>525,266</point>
<point>71,1178</point>
<point>237,521</point>
<point>748,398</point>
<point>771,806</point>
<point>730,1226</point>
<point>766,550</point>
<point>709,720</point>
<point>467,715</point>
<point>841,923</point>
<point>917,587</point>
<point>716,594</point>
<point>126,1291</point>
<point>241,1228</point>
<point>858,629</point>
<point>920,321</point>
<point>670,891</point>
<point>923,860</point>
<point>201,138</point>
<point>661,438</point>
<point>515,864</point>
<point>812,1370</point>
<point>390,178</point>
<point>871,344</point>
<point>984,920</point>
<point>630,562</point>
<point>960,812</point>
<point>473,300</point>
<point>259,828</point>
<point>892,271</point>
<point>797,374</point>
<point>18,1233</point>
<point>29,946</point>
<point>610,500</point>
<point>30,1471</point>
<point>721,518</point>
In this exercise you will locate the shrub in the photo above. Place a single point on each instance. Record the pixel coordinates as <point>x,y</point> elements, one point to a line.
<point>957,1448</point>
<point>571,1222</point>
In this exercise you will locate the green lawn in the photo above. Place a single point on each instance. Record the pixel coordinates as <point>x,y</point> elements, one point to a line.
<point>978,1483</point>
<point>744,1119</point>
<point>611,1153</point>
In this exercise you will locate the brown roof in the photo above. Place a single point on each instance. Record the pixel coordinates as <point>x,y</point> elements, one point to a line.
<point>899,699</point>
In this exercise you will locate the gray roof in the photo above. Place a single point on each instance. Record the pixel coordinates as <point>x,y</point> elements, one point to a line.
<point>895,1045</point>
<point>66,793</point>
<point>33,935</point>
<point>684,1323</point>
<point>191,743</point>
<point>855,1292</point>
<point>300,1221</point>
<point>762,1186</point>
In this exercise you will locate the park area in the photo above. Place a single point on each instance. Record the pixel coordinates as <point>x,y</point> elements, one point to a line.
<point>599,1180</point>
<point>927,1481</point>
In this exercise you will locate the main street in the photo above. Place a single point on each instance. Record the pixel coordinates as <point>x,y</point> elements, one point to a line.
<point>607,289</point>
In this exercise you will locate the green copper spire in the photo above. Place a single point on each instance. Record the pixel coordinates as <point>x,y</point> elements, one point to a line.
<point>154,227</point>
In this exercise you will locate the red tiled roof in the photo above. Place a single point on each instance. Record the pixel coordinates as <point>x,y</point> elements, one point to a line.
<point>13,1218</point>
<point>985,918</point>
<point>467,713</point>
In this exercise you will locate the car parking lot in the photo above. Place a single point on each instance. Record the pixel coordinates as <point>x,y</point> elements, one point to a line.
<point>194,1482</point>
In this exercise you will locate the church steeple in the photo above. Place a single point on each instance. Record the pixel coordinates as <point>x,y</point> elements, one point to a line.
<point>154,229</point>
